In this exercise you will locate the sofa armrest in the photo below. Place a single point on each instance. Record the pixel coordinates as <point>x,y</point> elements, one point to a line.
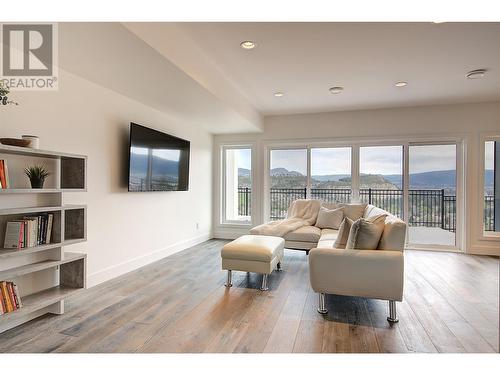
<point>362,273</point>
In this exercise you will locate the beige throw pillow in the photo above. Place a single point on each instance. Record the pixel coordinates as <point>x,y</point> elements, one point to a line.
<point>330,218</point>
<point>344,231</point>
<point>365,233</point>
<point>353,211</point>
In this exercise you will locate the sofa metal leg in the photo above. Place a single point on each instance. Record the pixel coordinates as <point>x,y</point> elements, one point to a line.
<point>393,317</point>
<point>229,279</point>
<point>322,304</point>
<point>278,267</point>
<point>264,283</point>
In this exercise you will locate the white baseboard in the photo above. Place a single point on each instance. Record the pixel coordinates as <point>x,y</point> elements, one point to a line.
<point>119,269</point>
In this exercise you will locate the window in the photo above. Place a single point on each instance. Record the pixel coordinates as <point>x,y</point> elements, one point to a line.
<point>491,188</point>
<point>331,174</point>
<point>237,195</point>
<point>288,180</point>
<point>432,197</point>
<point>381,177</point>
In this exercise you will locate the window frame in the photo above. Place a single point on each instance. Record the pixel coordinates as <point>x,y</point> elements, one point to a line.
<point>222,213</point>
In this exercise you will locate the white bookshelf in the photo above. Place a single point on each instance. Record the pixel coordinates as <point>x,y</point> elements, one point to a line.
<point>45,274</point>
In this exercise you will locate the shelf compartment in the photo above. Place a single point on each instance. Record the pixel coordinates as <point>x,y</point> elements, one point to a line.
<point>12,273</point>
<point>6,253</point>
<point>40,300</point>
<point>73,174</point>
<point>10,214</point>
<point>75,223</point>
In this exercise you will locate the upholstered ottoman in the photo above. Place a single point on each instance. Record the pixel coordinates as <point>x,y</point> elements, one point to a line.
<point>253,253</point>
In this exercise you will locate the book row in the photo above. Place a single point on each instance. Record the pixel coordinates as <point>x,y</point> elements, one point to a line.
<point>29,231</point>
<point>10,299</point>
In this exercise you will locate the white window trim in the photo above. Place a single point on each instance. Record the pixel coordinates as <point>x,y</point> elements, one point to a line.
<point>223,222</point>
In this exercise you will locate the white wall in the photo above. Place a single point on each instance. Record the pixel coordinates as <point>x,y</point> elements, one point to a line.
<point>125,230</point>
<point>466,121</point>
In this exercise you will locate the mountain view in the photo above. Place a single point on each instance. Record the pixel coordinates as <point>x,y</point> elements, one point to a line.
<point>282,178</point>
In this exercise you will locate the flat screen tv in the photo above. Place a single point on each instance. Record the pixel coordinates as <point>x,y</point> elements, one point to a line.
<point>157,161</point>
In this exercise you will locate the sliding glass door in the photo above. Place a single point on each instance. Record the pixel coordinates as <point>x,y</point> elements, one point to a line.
<point>432,196</point>
<point>415,181</point>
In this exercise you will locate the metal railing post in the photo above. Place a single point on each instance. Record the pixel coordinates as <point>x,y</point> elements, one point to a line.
<point>442,209</point>
<point>246,201</point>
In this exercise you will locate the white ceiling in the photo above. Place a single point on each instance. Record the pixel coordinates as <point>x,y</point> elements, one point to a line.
<point>112,56</point>
<point>304,59</point>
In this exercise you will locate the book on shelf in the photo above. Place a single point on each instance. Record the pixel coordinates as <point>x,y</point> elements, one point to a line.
<point>10,299</point>
<point>29,231</point>
<point>4,174</point>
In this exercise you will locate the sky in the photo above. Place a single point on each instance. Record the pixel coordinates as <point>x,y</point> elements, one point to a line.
<point>375,160</point>
<point>488,154</point>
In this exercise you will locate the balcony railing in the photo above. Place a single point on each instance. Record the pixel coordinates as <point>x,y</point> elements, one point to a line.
<point>428,208</point>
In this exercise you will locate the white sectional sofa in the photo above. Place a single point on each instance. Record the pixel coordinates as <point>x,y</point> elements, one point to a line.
<point>375,274</point>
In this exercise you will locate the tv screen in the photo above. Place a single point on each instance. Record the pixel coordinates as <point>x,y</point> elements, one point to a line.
<point>157,161</point>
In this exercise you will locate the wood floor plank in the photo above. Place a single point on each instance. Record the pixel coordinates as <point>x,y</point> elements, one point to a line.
<point>179,304</point>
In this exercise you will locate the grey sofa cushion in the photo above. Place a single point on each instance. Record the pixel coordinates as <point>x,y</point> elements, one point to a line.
<point>330,218</point>
<point>304,234</point>
<point>365,234</point>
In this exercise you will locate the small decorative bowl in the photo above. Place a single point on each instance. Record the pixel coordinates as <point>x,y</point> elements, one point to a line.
<point>15,142</point>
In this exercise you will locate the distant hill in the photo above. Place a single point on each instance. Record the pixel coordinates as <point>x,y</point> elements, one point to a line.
<point>282,177</point>
<point>330,177</point>
<point>285,172</point>
<point>244,172</point>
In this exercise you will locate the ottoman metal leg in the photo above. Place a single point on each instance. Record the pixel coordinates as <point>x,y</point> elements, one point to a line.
<point>278,267</point>
<point>229,279</point>
<point>322,304</point>
<point>264,283</point>
<point>393,317</point>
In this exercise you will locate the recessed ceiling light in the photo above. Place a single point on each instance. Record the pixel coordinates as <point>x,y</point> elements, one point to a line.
<point>475,74</point>
<point>401,84</point>
<point>248,44</point>
<point>278,94</point>
<point>336,90</point>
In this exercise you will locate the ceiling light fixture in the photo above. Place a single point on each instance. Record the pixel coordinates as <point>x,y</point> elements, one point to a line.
<point>401,84</point>
<point>248,44</point>
<point>336,90</point>
<point>278,94</point>
<point>475,74</point>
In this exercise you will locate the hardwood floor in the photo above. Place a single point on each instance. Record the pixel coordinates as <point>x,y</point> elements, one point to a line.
<point>179,304</point>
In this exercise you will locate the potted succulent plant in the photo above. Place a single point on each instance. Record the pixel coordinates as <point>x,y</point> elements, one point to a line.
<point>37,175</point>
